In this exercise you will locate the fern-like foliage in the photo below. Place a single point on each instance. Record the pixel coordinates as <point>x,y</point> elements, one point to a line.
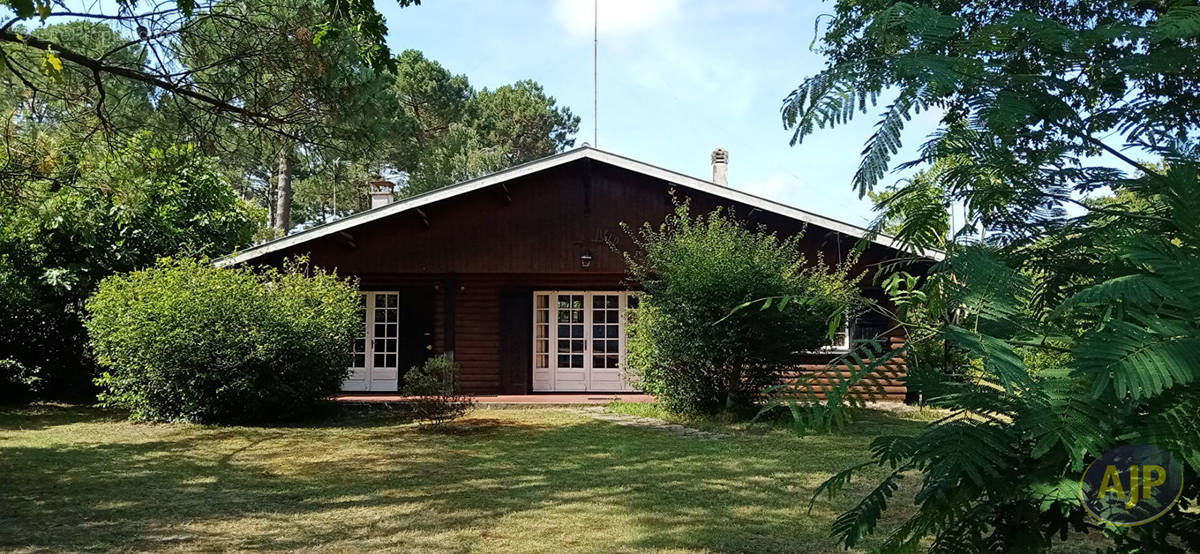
<point>826,400</point>
<point>1180,22</point>
<point>1139,360</point>
<point>1060,416</point>
<point>857,522</point>
<point>1075,326</point>
<point>824,100</point>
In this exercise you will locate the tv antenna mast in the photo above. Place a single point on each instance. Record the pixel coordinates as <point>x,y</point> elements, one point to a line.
<point>595,85</point>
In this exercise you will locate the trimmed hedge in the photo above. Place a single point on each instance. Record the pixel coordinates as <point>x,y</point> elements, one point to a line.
<point>189,341</point>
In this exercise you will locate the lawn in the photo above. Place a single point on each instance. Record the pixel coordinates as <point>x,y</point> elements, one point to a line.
<point>498,480</point>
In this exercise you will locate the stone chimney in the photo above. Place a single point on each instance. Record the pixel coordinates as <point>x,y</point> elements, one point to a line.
<point>382,193</point>
<point>720,163</point>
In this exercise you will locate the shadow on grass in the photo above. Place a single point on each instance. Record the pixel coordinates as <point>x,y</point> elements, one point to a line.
<point>41,416</point>
<point>494,480</point>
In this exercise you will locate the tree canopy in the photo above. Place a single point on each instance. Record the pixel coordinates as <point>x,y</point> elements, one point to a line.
<point>136,131</point>
<point>457,132</point>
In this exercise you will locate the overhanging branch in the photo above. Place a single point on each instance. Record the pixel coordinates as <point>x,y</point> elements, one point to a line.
<point>98,67</point>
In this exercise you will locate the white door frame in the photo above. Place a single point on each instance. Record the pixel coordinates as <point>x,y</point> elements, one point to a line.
<point>374,373</point>
<point>547,375</point>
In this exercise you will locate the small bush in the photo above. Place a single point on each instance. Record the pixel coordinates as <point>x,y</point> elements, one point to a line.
<point>18,383</point>
<point>434,388</point>
<point>686,346</point>
<point>189,341</point>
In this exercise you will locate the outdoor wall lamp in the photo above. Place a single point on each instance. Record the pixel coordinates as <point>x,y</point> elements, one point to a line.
<point>585,261</point>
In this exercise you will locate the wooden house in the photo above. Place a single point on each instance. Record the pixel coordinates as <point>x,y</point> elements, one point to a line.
<point>513,273</point>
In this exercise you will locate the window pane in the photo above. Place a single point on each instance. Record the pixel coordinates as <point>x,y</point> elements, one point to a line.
<point>576,331</point>
<point>577,360</point>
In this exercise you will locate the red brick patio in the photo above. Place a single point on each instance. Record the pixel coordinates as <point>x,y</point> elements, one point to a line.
<point>556,399</point>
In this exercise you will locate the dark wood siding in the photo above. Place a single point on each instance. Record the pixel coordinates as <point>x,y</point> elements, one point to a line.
<point>481,340</point>
<point>480,248</point>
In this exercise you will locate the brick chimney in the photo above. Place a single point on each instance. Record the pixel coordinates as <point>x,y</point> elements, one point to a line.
<point>720,165</point>
<point>382,193</point>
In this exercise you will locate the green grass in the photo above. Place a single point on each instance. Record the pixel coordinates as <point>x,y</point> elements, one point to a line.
<point>776,420</point>
<point>498,480</point>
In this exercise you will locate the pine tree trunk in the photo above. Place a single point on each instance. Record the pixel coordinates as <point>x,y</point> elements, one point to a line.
<point>283,192</point>
<point>269,199</point>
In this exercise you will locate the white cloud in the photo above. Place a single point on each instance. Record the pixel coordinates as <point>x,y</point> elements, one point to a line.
<point>677,66</point>
<point>614,17</point>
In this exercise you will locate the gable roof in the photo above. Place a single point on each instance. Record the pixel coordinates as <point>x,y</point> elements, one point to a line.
<point>583,152</point>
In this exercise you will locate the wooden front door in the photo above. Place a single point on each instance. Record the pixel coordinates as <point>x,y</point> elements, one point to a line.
<point>579,341</point>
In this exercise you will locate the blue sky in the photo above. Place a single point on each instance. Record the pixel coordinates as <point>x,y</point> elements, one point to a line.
<point>677,79</point>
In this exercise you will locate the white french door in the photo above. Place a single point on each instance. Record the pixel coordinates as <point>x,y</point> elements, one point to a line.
<point>374,357</point>
<point>579,340</point>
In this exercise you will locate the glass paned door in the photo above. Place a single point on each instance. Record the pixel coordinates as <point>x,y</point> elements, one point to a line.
<point>607,340</point>
<point>373,358</point>
<point>570,351</point>
<point>385,341</point>
<point>384,335</point>
<point>579,341</point>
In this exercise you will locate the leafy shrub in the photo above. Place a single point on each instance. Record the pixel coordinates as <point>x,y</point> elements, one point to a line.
<point>102,211</point>
<point>188,341</point>
<point>434,388</point>
<point>686,346</point>
<point>18,383</point>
